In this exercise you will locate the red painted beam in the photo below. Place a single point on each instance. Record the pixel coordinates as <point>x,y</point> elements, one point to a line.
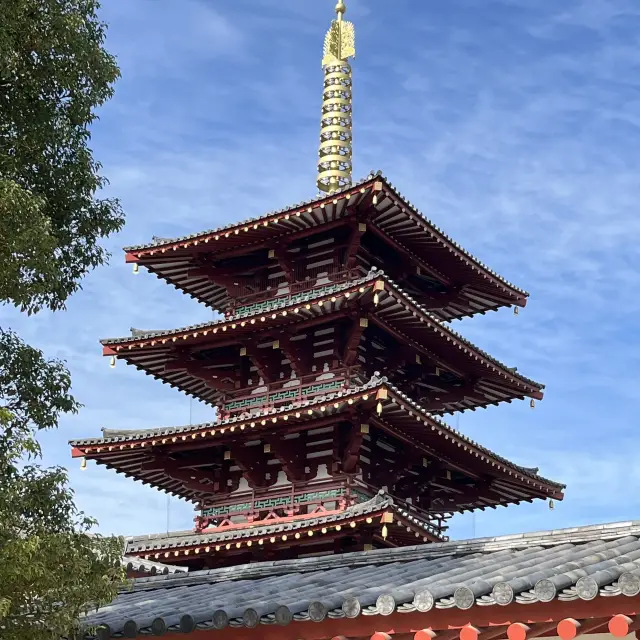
<point>436,620</point>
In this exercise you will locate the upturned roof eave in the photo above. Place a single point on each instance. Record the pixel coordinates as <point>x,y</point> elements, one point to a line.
<point>372,177</point>
<point>142,438</point>
<point>110,343</point>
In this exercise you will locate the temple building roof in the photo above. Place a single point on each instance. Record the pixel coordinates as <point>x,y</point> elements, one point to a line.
<point>586,568</point>
<point>281,532</point>
<point>390,309</point>
<point>392,216</point>
<point>127,451</point>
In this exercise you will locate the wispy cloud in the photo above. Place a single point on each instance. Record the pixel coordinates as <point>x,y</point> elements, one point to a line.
<point>514,125</point>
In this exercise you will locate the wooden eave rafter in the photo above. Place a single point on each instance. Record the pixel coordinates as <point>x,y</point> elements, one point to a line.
<point>333,211</point>
<point>399,416</point>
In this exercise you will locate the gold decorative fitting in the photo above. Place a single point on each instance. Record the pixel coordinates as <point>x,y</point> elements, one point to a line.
<point>379,408</point>
<point>385,532</point>
<point>334,164</point>
<point>376,299</point>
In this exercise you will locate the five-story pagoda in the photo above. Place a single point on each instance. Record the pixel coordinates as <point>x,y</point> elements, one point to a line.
<point>330,367</point>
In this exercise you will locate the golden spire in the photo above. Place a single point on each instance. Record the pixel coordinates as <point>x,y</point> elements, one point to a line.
<point>334,164</point>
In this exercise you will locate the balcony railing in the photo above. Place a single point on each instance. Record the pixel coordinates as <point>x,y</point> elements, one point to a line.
<point>263,301</point>
<point>274,394</point>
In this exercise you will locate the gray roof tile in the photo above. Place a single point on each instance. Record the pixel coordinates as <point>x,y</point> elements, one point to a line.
<point>577,563</point>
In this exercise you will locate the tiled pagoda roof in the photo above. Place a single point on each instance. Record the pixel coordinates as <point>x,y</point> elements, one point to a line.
<point>582,564</point>
<point>323,301</point>
<point>126,451</point>
<point>165,543</point>
<point>170,258</point>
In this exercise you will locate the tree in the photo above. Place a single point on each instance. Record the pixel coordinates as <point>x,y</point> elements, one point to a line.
<point>54,74</point>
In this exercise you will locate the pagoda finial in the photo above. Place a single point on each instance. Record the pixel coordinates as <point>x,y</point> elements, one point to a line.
<point>334,164</point>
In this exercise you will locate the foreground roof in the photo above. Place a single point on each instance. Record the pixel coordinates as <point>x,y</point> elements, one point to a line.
<point>392,215</point>
<point>581,563</point>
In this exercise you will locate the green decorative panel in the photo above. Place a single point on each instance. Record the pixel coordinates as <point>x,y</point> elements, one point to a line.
<point>274,503</point>
<point>267,305</point>
<point>226,510</point>
<point>282,396</point>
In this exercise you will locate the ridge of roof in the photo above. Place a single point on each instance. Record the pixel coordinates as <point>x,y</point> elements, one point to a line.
<point>373,383</point>
<point>134,563</point>
<point>286,302</point>
<point>371,176</point>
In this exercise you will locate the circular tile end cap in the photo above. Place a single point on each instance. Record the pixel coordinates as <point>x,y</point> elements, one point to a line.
<point>502,593</point>
<point>158,627</point>
<point>220,619</point>
<point>351,607</point>
<point>423,601</point>
<point>187,624</point>
<point>130,629</point>
<point>629,584</point>
<point>283,615</point>
<point>586,588</point>
<point>545,590</point>
<point>317,611</point>
<point>250,618</point>
<point>464,598</point>
<point>385,604</point>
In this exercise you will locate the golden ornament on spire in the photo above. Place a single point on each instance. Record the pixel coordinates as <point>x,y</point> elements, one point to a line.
<point>334,165</point>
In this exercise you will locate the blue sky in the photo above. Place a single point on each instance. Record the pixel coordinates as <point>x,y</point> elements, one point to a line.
<point>513,124</point>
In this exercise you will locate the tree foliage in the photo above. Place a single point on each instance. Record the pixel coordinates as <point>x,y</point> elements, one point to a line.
<point>51,568</point>
<point>54,73</point>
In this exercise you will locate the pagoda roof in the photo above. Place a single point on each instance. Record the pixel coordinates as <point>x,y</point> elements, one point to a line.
<point>151,350</point>
<point>479,582</point>
<point>393,216</point>
<point>127,451</point>
<point>179,542</point>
